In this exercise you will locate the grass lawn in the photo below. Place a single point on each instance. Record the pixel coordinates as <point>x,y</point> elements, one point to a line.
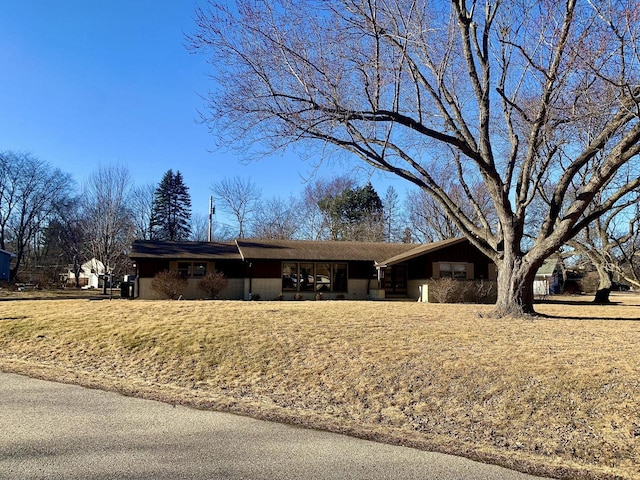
<point>555,395</point>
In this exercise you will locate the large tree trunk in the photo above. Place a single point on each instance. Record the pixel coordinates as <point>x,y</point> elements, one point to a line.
<point>604,285</point>
<point>515,286</point>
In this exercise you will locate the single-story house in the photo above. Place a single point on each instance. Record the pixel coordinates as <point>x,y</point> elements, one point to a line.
<point>88,277</point>
<point>5,265</point>
<point>302,269</point>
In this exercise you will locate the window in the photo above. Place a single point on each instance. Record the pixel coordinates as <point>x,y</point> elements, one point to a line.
<point>184,269</point>
<point>289,276</point>
<point>306,276</point>
<point>199,269</point>
<point>314,277</point>
<point>457,271</point>
<point>323,277</point>
<point>339,277</point>
<point>191,269</point>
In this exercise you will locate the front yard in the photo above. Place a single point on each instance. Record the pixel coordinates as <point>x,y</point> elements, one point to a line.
<point>555,395</point>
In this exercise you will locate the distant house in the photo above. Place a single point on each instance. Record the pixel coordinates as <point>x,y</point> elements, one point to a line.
<point>549,278</point>
<point>303,269</point>
<point>89,276</point>
<point>5,265</point>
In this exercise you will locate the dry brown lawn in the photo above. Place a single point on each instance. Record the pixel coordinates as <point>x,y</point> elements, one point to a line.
<point>555,395</point>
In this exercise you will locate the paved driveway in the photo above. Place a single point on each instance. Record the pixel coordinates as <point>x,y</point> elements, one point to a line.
<point>56,431</point>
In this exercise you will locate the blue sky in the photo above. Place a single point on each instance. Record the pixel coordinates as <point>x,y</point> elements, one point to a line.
<point>89,83</point>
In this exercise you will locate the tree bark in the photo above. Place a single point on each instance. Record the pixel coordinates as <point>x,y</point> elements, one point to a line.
<point>604,286</point>
<point>515,286</point>
<point>602,296</point>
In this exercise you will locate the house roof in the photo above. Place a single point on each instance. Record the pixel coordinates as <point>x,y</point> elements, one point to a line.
<point>94,265</point>
<point>318,251</point>
<point>190,250</point>
<point>548,267</point>
<point>419,250</point>
<point>383,254</point>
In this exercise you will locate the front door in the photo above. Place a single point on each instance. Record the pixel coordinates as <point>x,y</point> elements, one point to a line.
<point>395,280</point>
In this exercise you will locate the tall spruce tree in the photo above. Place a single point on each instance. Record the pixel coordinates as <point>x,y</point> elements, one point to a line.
<point>171,210</point>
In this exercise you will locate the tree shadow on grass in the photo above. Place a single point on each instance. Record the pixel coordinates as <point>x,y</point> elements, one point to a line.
<point>587,304</point>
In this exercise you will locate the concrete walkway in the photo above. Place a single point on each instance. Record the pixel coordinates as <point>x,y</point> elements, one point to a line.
<point>56,431</point>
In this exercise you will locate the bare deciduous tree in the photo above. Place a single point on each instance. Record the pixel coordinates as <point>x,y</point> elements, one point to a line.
<point>276,218</point>
<point>430,223</point>
<point>492,92</point>
<point>199,227</point>
<point>142,208</point>
<point>392,216</point>
<point>30,190</point>
<point>240,198</point>
<point>628,265</point>
<point>109,227</point>
<point>65,238</point>
<point>607,242</point>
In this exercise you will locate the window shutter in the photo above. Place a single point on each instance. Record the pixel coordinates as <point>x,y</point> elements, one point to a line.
<point>173,266</point>
<point>470,271</point>
<point>436,270</point>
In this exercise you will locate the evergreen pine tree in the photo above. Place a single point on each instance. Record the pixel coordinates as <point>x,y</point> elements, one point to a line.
<point>171,210</point>
<point>356,214</point>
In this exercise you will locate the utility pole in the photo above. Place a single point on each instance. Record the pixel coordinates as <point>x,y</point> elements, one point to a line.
<point>212,211</point>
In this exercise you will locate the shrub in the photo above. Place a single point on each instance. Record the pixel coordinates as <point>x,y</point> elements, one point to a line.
<point>482,291</point>
<point>448,290</point>
<point>169,284</point>
<point>213,283</point>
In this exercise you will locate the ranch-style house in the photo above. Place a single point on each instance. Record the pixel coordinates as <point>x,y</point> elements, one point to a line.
<point>302,269</point>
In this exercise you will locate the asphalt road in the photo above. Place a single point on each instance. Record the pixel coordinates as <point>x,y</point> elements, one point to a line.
<point>56,431</point>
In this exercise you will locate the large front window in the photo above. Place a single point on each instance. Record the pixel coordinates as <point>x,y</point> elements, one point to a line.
<point>457,271</point>
<point>314,277</point>
<point>306,277</point>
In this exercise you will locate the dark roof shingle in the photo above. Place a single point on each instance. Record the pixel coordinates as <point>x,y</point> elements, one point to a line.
<point>416,251</point>
<point>319,251</point>
<point>204,250</point>
<point>294,250</point>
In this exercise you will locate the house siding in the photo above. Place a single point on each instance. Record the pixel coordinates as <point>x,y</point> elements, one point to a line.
<point>5,265</point>
<point>421,268</point>
<point>233,291</point>
<point>149,268</point>
<point>271,289</point>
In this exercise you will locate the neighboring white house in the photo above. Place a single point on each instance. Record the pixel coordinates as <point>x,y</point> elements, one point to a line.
<point>549,278</point>
<point>89,276</point>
